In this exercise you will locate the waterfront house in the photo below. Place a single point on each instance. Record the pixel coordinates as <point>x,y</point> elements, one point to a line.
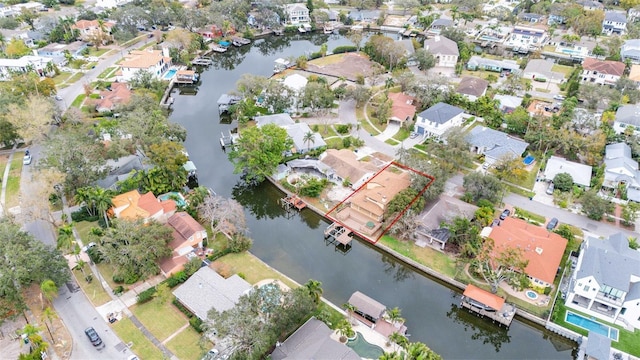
<point>296,132</point>
<point>133,206</point>
<point>530,17</point>
<point>615,22</point>
<point>621,169</point>
<point>313,340</point>
<point>90,28</point>
<point>37,64</point>
<point>403,108</point>
<point>57,52</point>
<point>542,249</point>
<point>444,50</point>
<point>508,103</point>
<point>364,15</point>
<point>296,84</point>
<point>627,116</point>
<point>580,173</point>
<point>440,24</point>
<point>122,168</point>
<point>156,62</point>
<point>590,5</point>
<point>206,290</point>
<point>495,145</point>
<point>601,72</point>
<point>526,38</point>
<point>297,13</point>
<point>541,70</point>
<point>429,230</point>
<point>188,235</point>
<point>481,63</point>
<point>472,87</point>
<point>368,205</point>
<point>439,118</point>
<point>119,94</point>
<point>575,50</point>
<point>606,281</point>
<point>630,50</point>
<point>345,167</point>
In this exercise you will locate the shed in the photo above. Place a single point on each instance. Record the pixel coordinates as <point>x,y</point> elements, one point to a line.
<point>483,297</point>
<point>598,347</point>
<point>367,307</point>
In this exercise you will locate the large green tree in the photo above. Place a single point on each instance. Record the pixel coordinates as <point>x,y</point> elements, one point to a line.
<point>497,265</point>
<point>594,206</point>
<point>480,186</point>
<point>259,151</point>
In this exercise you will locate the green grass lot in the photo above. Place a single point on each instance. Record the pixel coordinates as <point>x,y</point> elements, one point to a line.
<point>566,70</point>
<point>107,72</point>
<point>364,124</point>
<point>98,53</point>
<point>142,346</point>
<point>78,100</point>
<point>59,79</point>
<point>94,290</point>
<point>187,345</point>
<point>160,326</point>
<point>75,77</point>
<point>253,268</point>
<point>628,341</point>
<point>13,182</point>
<point>427,256</point>
<point>327,60</point>
<point>107,271</point>
<point>325,130</point>
<point>402,134</point>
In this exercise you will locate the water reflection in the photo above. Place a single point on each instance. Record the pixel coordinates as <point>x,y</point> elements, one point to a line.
<point>400,272</point>
<point>484,331</point>
<point>267,207</point>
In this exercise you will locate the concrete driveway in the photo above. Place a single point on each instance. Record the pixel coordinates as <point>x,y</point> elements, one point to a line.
<point>392,129</point>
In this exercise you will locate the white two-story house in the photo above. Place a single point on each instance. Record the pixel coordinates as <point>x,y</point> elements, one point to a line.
<point>439,118</point>
<point>615,22</point>
<point>444,50</point>
<point>601,72</point>
<point>606,281</point>
<point>154,61</point>
<point>297,13</point>
<point>526,38</point>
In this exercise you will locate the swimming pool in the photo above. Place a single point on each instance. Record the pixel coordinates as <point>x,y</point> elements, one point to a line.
<point>170,74</point>
<point>175,196</point>
<point>528,160</point>
<point>592,325</point>
<point>364,348</point>
<point>531,294</point>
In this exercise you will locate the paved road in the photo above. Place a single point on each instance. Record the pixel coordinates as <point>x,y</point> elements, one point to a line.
<point>564,216</point>
<point>78,314</point>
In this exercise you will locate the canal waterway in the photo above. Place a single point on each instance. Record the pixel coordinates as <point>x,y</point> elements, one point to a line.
<point>294,245</point>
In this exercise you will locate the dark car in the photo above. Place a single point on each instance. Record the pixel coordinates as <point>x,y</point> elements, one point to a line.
<point>93,336</point>
<point>505,214</point>
<point>552,224</point>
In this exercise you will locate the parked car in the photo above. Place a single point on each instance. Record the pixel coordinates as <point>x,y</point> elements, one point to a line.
<point>550,189</point>
<point>505,214</point>
<point>211,354</point>
<point>93,336</point>
<point>26,160</point>
<point>552,224</point>
<point>58,98</point>
<point>413,135</point>
<point>495,222</point>
<point>558,97</point>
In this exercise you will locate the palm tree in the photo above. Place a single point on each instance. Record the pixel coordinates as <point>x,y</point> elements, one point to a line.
<point>350,310</point>
<point>31,331</point>
<point>49,291</point>
<point>83,196</point>
<point>102,199</point>
<point>309,138</point>
<point>344,330</point>
<point>315,289</point>
<point>66,239</point>
<point>399,340</point>
<point>47,316</point>
<point>394,316</point>
<point>80,266</point>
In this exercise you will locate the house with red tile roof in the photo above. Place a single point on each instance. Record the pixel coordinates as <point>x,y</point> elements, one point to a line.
<point>87,28</point>
<point>119,94</point>
<point>133,206</point>
<point>601,72</point>
<point>543,249</point>
<point>403,107</point>
<point>188,236</point>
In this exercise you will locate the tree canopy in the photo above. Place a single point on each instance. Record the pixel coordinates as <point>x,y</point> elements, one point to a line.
<point>480,186</point>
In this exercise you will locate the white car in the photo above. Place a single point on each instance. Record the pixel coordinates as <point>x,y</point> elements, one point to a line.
<point>26,160</point>
<point>558,97</point>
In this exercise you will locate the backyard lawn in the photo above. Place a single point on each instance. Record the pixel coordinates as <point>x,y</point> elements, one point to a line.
<point>427,256</point>
<point>142,346</point>
<point>186,345</point>
<point>160,326</point>
<point>13,182</point>
<point>253,268</point>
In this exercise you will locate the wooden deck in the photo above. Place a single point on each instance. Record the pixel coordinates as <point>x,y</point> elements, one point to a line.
<point>338,233</point>
<point>293,201</point>
<point>504,316</point>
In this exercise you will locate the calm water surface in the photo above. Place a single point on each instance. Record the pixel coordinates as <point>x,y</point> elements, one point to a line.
<point>294,244</point>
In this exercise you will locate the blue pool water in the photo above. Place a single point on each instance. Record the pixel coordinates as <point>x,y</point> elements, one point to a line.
<point>169,74</point>
<point>179,199</point>
<point>528,160</point>
<point>592,325</point>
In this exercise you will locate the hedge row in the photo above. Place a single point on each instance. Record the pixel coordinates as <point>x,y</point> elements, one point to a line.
<point>345,49</point>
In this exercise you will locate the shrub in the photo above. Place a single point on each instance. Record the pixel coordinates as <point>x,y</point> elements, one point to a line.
<point>239,243</point>
<point>315,55</point>
<point>346,142</point>
<point>83,215</point>
<point>313,187</point>
<point>242,276</point>
<point>131,278</point>
<point>343,129</point>
<point>146,295</point>
<point>196,324</point>
<point>181,307</point>
<point>118,278</point>
<point>94,255</point>
<point>547,290</point>
<point>344,49</point>
<point>118,290</point>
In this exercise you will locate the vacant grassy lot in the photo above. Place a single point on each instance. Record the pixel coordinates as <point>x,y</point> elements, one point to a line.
<point>13,182</point>
<point>327,60</point>
<point>253,268</point>
<point>98,53</point>
<point>426,256</point>
<point>566,70</point>
<point>142,346</point>
<point>162,326</point>
<point>187,346</point>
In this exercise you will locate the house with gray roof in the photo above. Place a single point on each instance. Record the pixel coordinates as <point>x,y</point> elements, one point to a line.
<point>508,103</point>
<point>615,22</point>
<point>627,116</point>
<point>630,50</point>
<point>312,341</point>
<point>296,131</point>
<point>440,24</point>
<point>478,62</point>
<point>472,87</point>
<point>541,70</point>
<point>444,50</point>
<point>444,210</point>
<point>206,290</point>
<point>580,173</point>
<point>439,118</point>
<point>619,167</point>
<point>606,281</point>
<point>494,144</point>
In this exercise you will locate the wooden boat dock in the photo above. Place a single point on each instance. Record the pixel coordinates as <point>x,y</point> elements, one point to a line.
<point>339,234</point>
<point>293,201</point>
<point>240,41</point>
<point>217,48</point>
<point>201,61</point>
<point>225,101</point>
<point>186,77</point>
<point>488,305</point>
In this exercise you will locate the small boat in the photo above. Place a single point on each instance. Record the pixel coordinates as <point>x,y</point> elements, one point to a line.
<point>240,41</point>
<point>224,43</point>
<point>281,65</point>
<point>328,29</point>
<point>217,48</point>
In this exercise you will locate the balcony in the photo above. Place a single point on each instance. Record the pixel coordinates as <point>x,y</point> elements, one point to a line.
<point>608,299</point>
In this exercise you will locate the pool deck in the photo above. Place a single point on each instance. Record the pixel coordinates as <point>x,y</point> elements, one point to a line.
<point>369,334</point>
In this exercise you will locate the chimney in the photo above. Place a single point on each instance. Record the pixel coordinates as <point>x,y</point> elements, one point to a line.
<point>165,52</point>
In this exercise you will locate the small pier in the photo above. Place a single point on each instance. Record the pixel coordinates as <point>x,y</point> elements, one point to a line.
<point>240,41</point>
<point>217,48</point>
<point>226,141</point>
<point>281,65</point>
<point>338,235</point>
<point>225,101</point>
<point>292,201</point>
<point>488,305</point>
<point>186,77</point>
<point>202,61</point>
